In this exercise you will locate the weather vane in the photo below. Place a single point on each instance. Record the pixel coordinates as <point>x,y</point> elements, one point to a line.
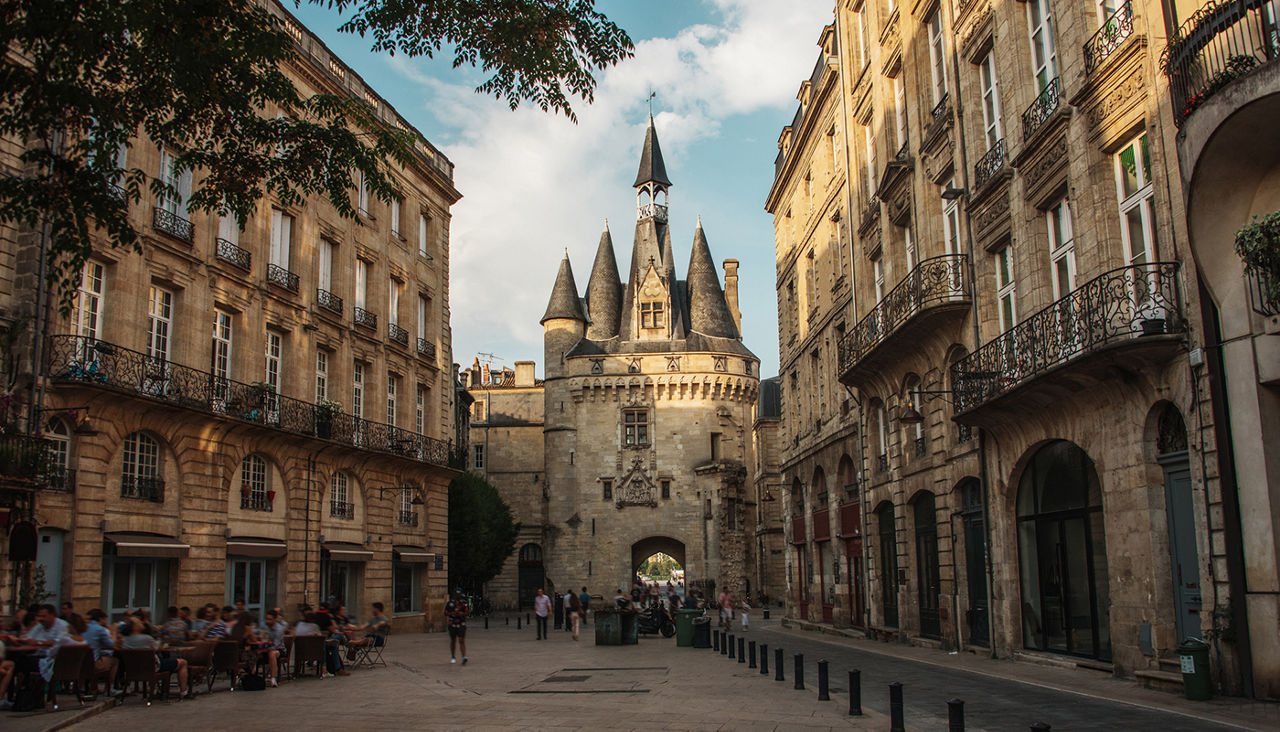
<point>652,94</point>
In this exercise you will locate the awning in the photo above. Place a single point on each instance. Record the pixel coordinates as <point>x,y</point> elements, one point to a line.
<point>347,552</point>
<point>413,555</point>
<point>147,545</point>
<point>254,547</point>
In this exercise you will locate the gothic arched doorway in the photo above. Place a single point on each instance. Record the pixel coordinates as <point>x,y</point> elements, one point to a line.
<point>642,550</point>
<point>530,573</point>
<point>1063,547</point>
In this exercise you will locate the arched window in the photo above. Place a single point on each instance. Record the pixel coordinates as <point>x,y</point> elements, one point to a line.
<point>340,505</point>
<point>819,488</point>
<point>914,436</point>
<point>530,554</point>
<point>61,477</point>
<point>140,475</point>
<point>255,484</point>
<point>848,477</point>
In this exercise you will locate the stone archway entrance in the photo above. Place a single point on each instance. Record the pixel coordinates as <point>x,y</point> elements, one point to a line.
<point>647,547</point>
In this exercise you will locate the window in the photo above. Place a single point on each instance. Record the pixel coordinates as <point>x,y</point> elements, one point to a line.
<point>1133,186</point>
<point>1005,288</point>
<point>324,266</point>
<point>88,307</point>
<point>913,398</point>
<point>229,229</point>
<point>406,593</point>
<point>281,235</point>
<point>140,468</point>
<point>477,452</point>
<point>178,182</point>
<point>159,322</point>
<point>990,99</point>
<point>362,282</point>
<point>1105,9</point>
<point>900,111</point>
<point>833,144</point>
<point>322,376</point>
<point>424,307</point>
<point>650,315</point>
<point>878,267</point>
<point>1044,60</point>
<point>340,505</point>
<point>635,424</point>
<point>869,143</point>
<point>837,238</point>
<point>882,435</point>
<point>477,411</point>
<point>253,484</point>
<point>392,384</point>
<point>363,200</point>
<point>909,248</point>
<point>715,446</point>
<point>357,390</point>
<point>272,376</point>
<point>422,236</point>
<point>937,58</point>
<point>606,490</point>
<point>1061,249</point>
<point>951,222</point>
<point>396,202</point>
<point>420,411</point>
<point>393,302</point>
<point>221,357</point>
<point>863,57</point>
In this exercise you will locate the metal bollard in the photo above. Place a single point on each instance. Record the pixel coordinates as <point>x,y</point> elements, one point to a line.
<point>855,693</point>
<point>715,641</point>
<point>486,622</point>
<point>526,619</point>
<point>731,656</point>
<point>518,626</point>
<point>1040,727</point>
<point>777,664</point>
<point>742,656</point>
<point>751,648</point>
<point>764,659</point>
<point>823,691</point>
<point>508,619</point>
<point>955,715</point>
<point>895,708</point>
<point>799,659</point>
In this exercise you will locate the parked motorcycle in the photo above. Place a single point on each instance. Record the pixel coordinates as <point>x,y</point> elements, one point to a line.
<point>656,620</point>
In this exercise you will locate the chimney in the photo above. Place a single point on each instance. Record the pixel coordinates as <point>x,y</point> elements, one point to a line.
<point>475,373</point>
<point>731,292</point>
<point>524,373</point>
<point>486,375</point>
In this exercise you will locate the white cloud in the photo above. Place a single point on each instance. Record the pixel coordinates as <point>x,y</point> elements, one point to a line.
<point>535,184</point>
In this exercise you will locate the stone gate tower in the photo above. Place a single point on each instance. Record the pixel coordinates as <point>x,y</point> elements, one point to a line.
<point>649,405</point>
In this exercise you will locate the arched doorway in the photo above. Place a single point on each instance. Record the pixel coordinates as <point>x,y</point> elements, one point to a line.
<point>1063,552</point>
<point>642,550</point>
<point>928,582</point>
<point>1171,450</point>
<point>887,532</point>
<point>530,574</point>
<point>975,561</point>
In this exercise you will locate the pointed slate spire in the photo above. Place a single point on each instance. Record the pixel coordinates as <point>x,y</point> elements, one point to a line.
<point>652,169</point>
<point>604,291</point>
<point>564,296</point>
<point>708,311</point>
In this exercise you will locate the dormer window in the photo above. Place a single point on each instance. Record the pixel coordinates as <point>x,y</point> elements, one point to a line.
<point>650,315</point>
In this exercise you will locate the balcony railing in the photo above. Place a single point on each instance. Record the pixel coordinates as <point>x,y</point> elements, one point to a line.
<point>142,488</point>
<point>329,301</point>
<point>118,192</point>
<point>232,254</point>
<point>1217,45</point>
<point>1262,289</point>
<point>922,447</point>
<point>26,459</point>
<point>1115,29</point>
<point>254,501</point>
<point>989,164</point>
<point>426,349</point>
<point>407,518</point>
<point>1040,110</point>
<point>281,277</point>
<point>83,360</point>
<point>882,462</point>
<point>365,318</point>
<point>1122,305</point>
<point>172,224</point>
<point>655,211</point>
<point>397,334</point>
<point>934,281</point>
<point>61,480</point>
<point>342,509</point>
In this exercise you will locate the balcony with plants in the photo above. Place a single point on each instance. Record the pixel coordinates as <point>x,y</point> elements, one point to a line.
<point>1221,42</point>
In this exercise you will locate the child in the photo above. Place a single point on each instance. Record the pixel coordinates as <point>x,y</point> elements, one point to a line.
<point>746,617</point>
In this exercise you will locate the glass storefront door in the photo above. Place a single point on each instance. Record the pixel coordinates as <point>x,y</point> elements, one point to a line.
<point>130,583</point>
<point>253,580</point>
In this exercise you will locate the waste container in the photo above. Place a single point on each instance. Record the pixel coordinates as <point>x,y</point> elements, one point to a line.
<point>1194,655</point>
<point>701,632</point>
<point>684,626</point>
<point>608,627</point>
<point>630,627</point>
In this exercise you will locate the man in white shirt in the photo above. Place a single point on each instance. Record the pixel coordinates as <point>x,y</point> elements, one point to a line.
<point>48,632</point>
<point>541,609</point>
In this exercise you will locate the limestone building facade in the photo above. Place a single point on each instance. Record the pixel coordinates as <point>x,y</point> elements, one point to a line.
<point>1034,463</point>
<point>265,412</point>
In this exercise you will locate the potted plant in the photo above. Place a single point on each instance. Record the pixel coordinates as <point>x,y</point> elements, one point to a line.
<point>326,410</point>
<point>1258,245</point>
<point>271,496</point>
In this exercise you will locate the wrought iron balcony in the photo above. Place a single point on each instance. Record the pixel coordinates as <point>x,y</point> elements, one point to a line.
<point>655,211</point>
<point>25,459</point>
<point>232,254</point>
<point>922,446</point>
<point>427,349</point>
<point>61,480</point>
<point>365,318</point>
<point>397,334</point>
<point>989,164</point>
<point>1040,110</point>
<point>1115,30</point>
<point>407,518</point>
<point>118,192</point>
<point>329,301</point>
<point>281,277</point>
<point>882,462</point>
<point>99,364</point>
<point>933,283</point>
<point>144,488</point>
<point>254,501</point>
<point>342,509</point>
<point>1220,43</point>
<point>1125,305</point>
<point>1262,286</point>
<point>172,224</point>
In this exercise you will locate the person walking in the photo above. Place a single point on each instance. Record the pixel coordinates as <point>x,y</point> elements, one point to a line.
<point>456,611</point>
<point>726,610</point>
<point>541,609</point>
<point>574,613</point>
<point>585,599</point>
<point>568,608</point>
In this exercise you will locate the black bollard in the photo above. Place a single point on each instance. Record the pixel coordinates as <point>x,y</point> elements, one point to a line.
<point>1040,727</point>
<point>526,619</point>
<point>895,708</point>
<point>777,664</point>
<point>508,619</point>
<point>823,694</point>
<point>731,644</point>
<point>799,663</point>
<point>742,647</point>
<point>764,659</point>
<point>751,648</point>
<point>955,715</point>
<point>715,641</point>
<point>486,622</point>
<point>855,693</point>
<point>518,626</point>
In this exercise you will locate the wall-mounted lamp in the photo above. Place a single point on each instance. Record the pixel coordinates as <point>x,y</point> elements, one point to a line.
<point>951,193</point>
<point>912,415</point>
<point>768,497</point>
<point>417,492</point>
<point>77,416</point>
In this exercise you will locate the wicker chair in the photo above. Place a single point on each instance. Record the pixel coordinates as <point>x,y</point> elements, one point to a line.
<point>138,667</point>
<point>69,665</point>
<point>308,649</point>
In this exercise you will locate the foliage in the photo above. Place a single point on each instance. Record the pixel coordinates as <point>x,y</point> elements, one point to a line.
<point>659,566</point>
<point>1236,66</point>
<point>1224,624</point>
<point>36,592</point>
<point>482,532</point>
<point>204,80</point>
<point>1258,245</point>
<point>328,409</point>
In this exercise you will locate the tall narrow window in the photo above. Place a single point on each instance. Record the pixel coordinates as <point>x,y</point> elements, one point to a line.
<point>1044,59</point>
<point>392,383</point>
<point>878,267</point>
<point>477,462</point>
<point>88,308</point>
<point>833,145</point>
<point>324,266</point>
<point>990,99</point>
<point>423,308</point>
<point>951,222</point>
<point>1061,249</point>
<point>863,57</point>
<point>140,468</point>
<point>272,376</point>
<point>909,247</point>
<point>340,505</point>
<point>420,411</point>
<point>281,236</point>
<point>159,322</point>
<point>229,229</point>
<point>882,435</point>
<point>837,240</point>
<point>869,142</point>
<point>357,389</point>
<point>1005,288</point>
<point>395,215</point>
<point>937,58</point>
<point>422,235</point>
<point>362,282</point>
<point>1133,186</point>
<point>221,358</point>
<point>900,111</point>
<point>322,376</point>
<point>363,200</point>
<point>393,302</point>
<point>253,484</point>
<point>174,199</point>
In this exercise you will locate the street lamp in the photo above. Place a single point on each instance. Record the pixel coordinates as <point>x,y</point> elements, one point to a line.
<point>951,193</point>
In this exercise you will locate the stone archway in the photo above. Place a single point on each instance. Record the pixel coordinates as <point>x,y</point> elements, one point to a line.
<point>647,547</point>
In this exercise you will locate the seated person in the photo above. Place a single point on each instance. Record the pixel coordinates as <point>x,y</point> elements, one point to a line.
<point>103,644</point>
<point>48,632</point>
<point>221,628</point>
<point>374,631</point>
<point>174,630</point>
<point>274,631</point>
<point>333,636</point>
<point>6,675</point>
<point>132,636</point>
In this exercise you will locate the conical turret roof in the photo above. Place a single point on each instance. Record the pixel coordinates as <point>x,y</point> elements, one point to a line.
<point>564,296</point>
<point>604,291</point>
<point>652,169</point>
<point>708,311</point>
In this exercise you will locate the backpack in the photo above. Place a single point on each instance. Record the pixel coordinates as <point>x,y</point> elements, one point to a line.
<point>30,698</point>
<point>252,682</point>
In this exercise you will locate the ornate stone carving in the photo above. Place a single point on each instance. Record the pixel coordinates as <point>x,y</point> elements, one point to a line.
<point>597,365</point>
<point>1120,97</point>
<point>991,215</point>
<point>1053,158</point>
<point>673,363</point>
<point>633,367</point>
<point>721,363</point>
<point>636,488</point>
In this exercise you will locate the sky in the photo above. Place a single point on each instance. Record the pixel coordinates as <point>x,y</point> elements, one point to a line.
<point>535,185</point>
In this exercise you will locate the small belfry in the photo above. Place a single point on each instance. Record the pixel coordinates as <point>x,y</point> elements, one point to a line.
<point>651,179</point>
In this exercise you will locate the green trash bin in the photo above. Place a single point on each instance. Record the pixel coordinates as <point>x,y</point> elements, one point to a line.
<point>684,626</point>
<point>608,627</point>
<point>1194,656</point>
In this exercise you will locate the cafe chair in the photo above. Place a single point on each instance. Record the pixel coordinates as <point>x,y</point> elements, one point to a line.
<point>69,666</point>
<point>226,660</point>
<point>138,667</point>
<point>308,649</point>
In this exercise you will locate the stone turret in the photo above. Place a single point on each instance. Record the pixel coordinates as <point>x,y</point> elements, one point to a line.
<point>565,321</point>
<point>604,292</point>
<point>709,313</point>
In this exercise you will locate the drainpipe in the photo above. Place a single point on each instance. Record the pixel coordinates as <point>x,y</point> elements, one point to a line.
<point>36,393</point>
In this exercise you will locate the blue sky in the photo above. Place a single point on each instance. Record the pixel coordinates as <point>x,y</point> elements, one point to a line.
<point>726,73</point>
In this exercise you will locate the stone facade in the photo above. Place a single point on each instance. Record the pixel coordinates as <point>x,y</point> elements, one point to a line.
<point>1025,442</point>
<point>771,566</point>
<point>300,454</point>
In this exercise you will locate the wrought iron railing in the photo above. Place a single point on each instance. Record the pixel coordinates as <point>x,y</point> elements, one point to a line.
<point>105,365</point>
<point>61,479</point>
<point>281,277</point>
<point>232,254</point>
<point>329,301</point>
<point>922,447</point>
<point>172,224</point>
<point>407,518</point>
<point>939,112</point>
<point>397,334</point>
<point>25,458</point>
<point>342,509</point>
<point>118,192</point>
<point>964,432</point>
<point>1220,43</point>
<point>1261,286</point>
<point>144,488</point>
<point>882,462</point>
<point>1124,304</point>
<point>935,281</point>
<point>426,349</point>
<point>655,211</point>
<point>989,164</point>
<point>254,501</point>
<point>1040,110</point>
<point>1115,30</point>
<point>365,318</point>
